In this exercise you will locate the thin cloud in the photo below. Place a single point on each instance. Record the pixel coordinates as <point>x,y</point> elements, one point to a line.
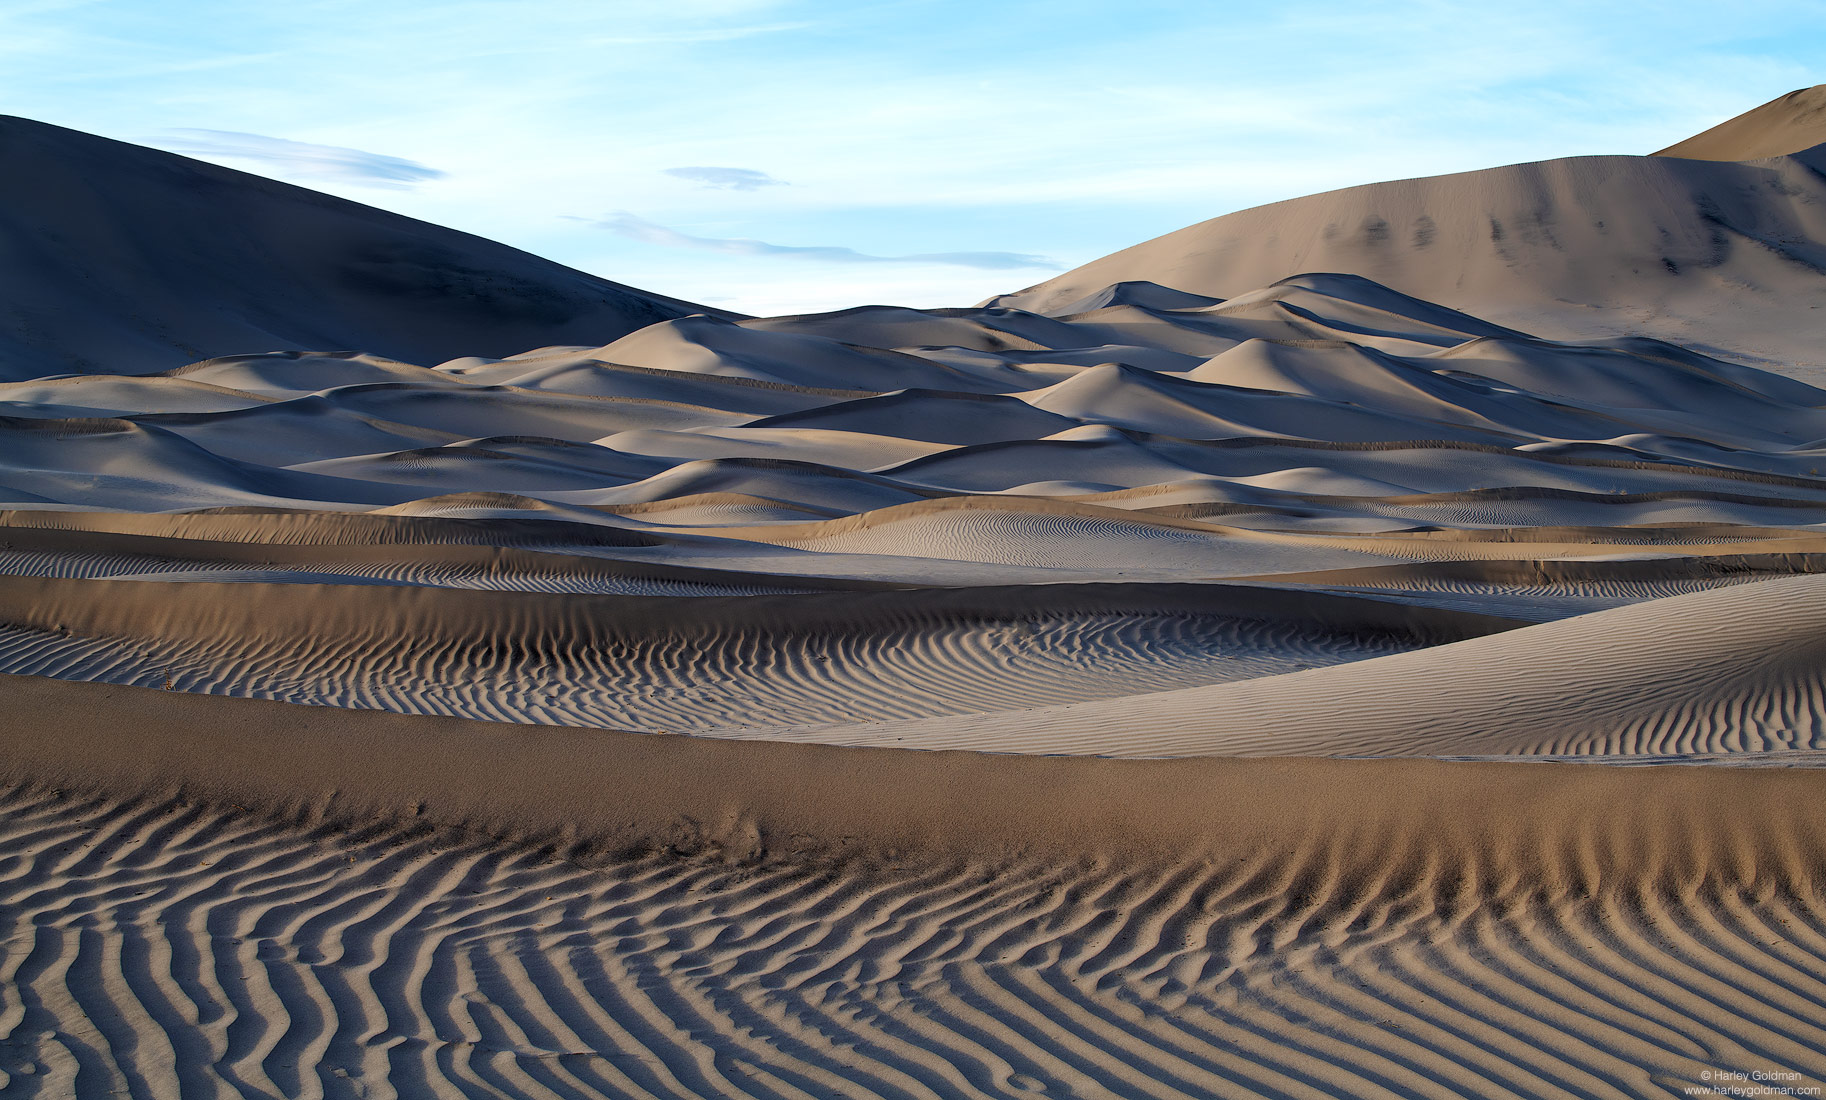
<point>298,158</point>
<point>639,229</point>
<point>731,179</point>
<point>705,34</point>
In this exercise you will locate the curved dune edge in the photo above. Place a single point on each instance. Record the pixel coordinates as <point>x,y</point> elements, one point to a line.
<point>1740,669</point>
<point>1733,672</point>
<point>711,662</point>
<point>1353,830</point>
<point>575,553</point>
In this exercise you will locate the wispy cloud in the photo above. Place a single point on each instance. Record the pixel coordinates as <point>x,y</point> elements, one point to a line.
<point>639,229</point>
<point>704,34</point>
<point>893,126</point>
<point>731,179</point>
<point>298,158</point>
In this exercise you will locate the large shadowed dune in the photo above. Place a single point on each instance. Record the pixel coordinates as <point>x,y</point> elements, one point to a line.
<point>119,259</point>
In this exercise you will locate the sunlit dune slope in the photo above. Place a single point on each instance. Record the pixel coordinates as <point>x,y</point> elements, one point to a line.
<point>1788,124</point>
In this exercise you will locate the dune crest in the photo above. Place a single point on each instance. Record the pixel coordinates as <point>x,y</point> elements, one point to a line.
<point>1781,127</point>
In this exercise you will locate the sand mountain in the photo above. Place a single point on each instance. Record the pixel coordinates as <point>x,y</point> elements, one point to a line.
<point>1723,256</point>
<point>124,260</point>
<point>1789,124</point>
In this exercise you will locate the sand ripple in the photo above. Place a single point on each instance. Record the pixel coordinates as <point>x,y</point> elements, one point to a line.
<point>703,664</point>
<point>160,949</point>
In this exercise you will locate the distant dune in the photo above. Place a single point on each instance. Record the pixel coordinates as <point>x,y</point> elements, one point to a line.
<point>1791,124</point>
<point>1723,257</point>
<point>119,259</point>
<point>1370,645</point>
<point>1157,524</point>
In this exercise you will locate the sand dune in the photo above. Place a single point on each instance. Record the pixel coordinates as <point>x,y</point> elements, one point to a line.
<point>1714,674</point>
<point>1321,405</point>
<point>1730,670</point>
<point>653,663</point>
<point>126,260</point>
<point>1723,257</point>
<point>1790,124</point>
<point>788,917</point>
<point>451,540</point>
<point>431,671</point>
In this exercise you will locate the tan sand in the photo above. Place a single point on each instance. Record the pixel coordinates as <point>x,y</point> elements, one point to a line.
<point>1734,674</point>
<point>989,925</point>
<point>660,662</point>
<point>1789,124</point>
<point>1722,257</point>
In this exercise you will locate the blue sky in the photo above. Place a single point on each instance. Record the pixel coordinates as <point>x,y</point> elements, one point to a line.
<point>790,156</point>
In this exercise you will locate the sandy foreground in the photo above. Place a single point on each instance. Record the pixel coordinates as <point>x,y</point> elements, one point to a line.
<point>210,896</point>
<point>1371,645</point>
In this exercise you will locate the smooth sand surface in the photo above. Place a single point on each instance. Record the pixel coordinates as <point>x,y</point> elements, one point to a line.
<point>1788,124</point>
<point>521,685</point>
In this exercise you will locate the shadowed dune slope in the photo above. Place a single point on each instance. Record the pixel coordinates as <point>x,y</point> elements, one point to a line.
<point>123,260</point>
